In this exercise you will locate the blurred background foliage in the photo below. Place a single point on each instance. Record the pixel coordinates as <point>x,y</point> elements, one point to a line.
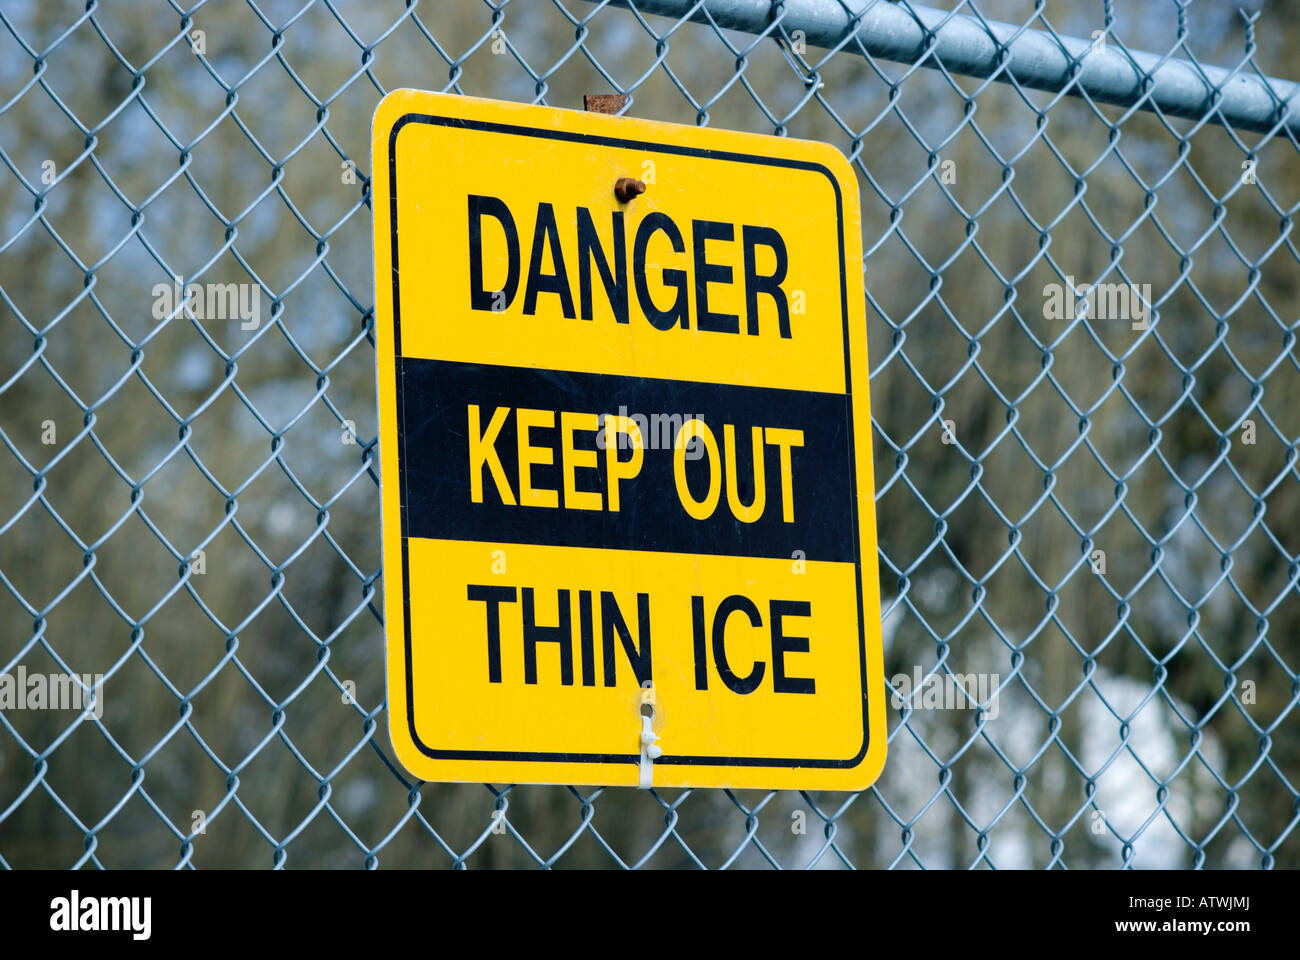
<point>1148,713</point>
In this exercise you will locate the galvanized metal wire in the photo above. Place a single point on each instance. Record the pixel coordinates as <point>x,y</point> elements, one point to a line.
<point>1092,512</point>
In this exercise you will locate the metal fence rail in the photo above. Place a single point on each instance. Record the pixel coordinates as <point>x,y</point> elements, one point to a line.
<point>970,44</point>
<point>1082,302</point>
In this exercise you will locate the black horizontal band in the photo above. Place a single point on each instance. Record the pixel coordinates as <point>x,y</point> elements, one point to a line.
<point>434,431</point>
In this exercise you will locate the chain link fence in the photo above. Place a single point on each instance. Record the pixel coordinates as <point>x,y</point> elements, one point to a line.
<point>1082,295</point>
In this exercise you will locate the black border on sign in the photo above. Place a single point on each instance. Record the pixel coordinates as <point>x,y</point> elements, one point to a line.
<point>566,135</point>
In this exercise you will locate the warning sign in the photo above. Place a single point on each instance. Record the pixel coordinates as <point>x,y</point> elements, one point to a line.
<point>625,442</point>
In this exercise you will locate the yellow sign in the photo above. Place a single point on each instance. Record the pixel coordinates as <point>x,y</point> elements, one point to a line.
<point>625,440</point>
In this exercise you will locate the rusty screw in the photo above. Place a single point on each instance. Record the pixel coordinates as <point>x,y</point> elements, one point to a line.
<point>604,102</point>
<point>625,188</point>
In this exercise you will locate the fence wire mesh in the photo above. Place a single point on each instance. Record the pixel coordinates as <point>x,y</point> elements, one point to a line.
<point>1082,300</point>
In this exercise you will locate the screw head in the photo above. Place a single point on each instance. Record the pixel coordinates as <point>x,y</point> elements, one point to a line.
<point>625,188</point>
